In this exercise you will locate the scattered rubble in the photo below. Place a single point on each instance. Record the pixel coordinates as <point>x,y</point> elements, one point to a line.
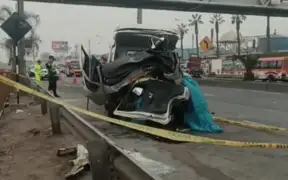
<point>27,149</point>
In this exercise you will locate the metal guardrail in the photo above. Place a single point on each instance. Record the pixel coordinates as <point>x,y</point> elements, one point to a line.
<point>5,90</point>
<point>107,159</point>
<point>259,86</point>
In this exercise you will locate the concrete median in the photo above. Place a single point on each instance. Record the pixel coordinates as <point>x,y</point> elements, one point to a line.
<point>275,87</point>
<point>259,86</point>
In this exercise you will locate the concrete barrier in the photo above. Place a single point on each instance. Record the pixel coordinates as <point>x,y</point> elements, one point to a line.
<point>281,88</point>
<point>259,86</point>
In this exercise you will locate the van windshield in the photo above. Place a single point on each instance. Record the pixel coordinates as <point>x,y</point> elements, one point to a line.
<point>269,65</point>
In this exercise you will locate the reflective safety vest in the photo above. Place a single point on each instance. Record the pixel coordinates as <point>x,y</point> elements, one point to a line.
<point>37,72</point>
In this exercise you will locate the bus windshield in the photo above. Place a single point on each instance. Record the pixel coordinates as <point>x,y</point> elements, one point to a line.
<point>269,64</point>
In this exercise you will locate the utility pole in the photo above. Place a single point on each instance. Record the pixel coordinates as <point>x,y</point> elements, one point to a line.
<point>20,64</point>
<point>139,16</point>
<point>193,42</point>
<point>89,47</point>
<point>268,35</point>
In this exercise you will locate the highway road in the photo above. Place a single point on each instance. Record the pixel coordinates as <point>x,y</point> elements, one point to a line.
<point>207,162</point>
<point>258,106</point>
<point>4,65</point>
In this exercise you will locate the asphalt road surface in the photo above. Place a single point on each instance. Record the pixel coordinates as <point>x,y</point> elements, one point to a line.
<point>207,162</point>
<point>262,107</point>
<point>4,65</point>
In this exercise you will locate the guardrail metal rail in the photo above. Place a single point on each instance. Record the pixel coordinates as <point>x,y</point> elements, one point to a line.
<point>107,159</point>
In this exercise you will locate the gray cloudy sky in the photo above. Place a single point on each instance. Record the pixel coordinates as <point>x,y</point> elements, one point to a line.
<point>77,24</point>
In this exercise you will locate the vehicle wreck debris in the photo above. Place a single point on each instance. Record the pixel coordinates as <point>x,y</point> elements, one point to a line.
<point>79,164</point>
<point>142,81</point>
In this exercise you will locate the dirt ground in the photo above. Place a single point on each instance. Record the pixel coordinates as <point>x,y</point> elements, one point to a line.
<point>27,148</point>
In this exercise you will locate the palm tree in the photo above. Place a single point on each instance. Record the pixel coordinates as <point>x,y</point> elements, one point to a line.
<point>181,30</point>
<point>217,20</point>
<point>195,21</point>
<point>249,61</point>
<point>238,20</point>
<point>33,38</point>
<point>32,42</point>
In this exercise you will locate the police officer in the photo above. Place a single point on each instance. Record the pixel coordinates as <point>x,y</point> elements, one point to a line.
<point>37,72</point>
<point>52,76</point>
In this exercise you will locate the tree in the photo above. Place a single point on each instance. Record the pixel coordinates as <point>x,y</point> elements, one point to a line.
<point>249,61</point>
<point>238,20</point>
<point>33,38</point>
<point>195,21</point>
<point>32,42</point>
<point>181,30</point>
<point>217,20</point>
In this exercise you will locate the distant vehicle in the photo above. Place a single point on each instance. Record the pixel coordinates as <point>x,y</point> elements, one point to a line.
<point>73,67</point>
<point>44,72</point>
<point>271,69</point>
<point>61,68</point>
<point>194,67</point>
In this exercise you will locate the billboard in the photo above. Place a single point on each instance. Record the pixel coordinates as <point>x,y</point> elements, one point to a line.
<point>60,46</point>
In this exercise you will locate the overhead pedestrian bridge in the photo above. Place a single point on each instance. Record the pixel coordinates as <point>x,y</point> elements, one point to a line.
<point>250,7</point>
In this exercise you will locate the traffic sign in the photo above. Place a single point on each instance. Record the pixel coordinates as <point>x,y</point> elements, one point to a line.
<point>16,27</point>
<point>206,44</point>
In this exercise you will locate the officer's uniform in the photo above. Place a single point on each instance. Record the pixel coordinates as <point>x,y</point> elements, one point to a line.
<point>52,78</point>
<point>37,73</point>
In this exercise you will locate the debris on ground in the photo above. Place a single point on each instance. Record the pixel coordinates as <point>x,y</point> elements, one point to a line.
<point>79,164</point>
<point>19,111</point>
<point>27,151</point>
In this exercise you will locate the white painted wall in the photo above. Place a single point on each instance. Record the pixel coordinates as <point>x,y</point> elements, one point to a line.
<point>216,66</point>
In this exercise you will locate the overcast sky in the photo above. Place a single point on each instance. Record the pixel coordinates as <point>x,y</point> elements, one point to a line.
<point>78,24</point>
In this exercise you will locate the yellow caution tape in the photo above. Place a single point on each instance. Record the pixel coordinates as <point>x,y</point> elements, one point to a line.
<point>250,124</point>
<point>171,135</point>
<point>247,124</point>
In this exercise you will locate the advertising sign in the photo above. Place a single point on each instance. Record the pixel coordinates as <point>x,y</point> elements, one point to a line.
<point>205,44</point>
<point>60,46</point>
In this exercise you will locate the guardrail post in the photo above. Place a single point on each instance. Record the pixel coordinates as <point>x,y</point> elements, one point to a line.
<point>99,159</point>
<point>43,106</point>
<point>129,171</point>
<point>87,103</point>
<point>55,118</point>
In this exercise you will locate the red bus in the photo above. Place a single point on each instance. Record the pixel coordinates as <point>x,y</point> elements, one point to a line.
<point>271,68</point>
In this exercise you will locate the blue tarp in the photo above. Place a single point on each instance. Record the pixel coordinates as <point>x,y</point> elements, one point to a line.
<point>197,117</point>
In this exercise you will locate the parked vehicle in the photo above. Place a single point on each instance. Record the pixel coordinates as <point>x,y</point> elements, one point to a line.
<point>73,68</point>
<point>272,69</point>
<point>142,78</point>
<point>61,68</point>
<point>194,67</point>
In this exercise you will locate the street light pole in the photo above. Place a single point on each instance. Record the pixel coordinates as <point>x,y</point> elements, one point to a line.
<point>20,63</point>
<point>268,36</point>
<point>139,16</point>
<point>89,47</point>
